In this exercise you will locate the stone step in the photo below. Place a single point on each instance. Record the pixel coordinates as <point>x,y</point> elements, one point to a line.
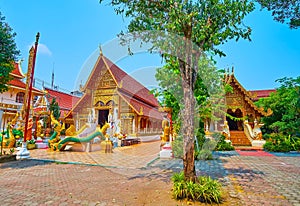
<point>239,138</point>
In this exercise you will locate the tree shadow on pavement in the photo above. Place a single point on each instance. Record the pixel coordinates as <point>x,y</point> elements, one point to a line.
<point>247,174</point>
<point>19,164</point>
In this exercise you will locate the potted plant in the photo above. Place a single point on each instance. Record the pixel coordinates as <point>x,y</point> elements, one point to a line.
<point>31,144</point>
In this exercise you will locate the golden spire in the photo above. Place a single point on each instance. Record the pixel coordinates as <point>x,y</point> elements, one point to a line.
<point>100,48</point>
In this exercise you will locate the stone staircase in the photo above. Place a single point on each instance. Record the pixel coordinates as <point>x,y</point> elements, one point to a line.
<point>239,138</point>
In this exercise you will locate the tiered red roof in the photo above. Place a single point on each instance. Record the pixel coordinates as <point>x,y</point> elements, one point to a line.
<point>17,82</point>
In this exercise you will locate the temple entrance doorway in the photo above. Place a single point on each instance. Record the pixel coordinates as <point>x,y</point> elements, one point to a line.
<point>235,125</point>
<point>103,117</point>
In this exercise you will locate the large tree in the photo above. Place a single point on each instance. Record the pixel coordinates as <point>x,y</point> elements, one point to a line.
<point>183,30</point>
<point>8,53</point>
<point>284,11</point>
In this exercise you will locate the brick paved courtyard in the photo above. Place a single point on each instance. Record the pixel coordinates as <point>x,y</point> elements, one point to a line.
<point>73,178</point>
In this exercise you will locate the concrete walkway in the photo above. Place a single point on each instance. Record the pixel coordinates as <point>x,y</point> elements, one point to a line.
<point>252,178</point>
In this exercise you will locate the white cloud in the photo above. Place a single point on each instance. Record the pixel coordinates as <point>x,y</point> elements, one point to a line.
<point>43,49</point>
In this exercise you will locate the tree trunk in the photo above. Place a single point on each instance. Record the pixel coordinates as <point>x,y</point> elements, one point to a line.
<point>188,132</point>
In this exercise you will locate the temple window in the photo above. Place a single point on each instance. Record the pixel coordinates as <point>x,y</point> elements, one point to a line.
<point>20,97</point>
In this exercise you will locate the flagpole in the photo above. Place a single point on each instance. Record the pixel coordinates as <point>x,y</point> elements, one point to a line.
<point>24,153</point>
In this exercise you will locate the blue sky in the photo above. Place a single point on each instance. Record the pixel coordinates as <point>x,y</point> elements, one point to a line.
<point>71,31</point>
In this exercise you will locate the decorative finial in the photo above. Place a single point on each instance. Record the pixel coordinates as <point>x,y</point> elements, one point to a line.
<point>37,36</point>
<point>232,70</point>
<point>100,48</point>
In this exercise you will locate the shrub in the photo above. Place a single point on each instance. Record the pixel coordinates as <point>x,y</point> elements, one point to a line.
<point>205,154</point>
<point>269,146</point>
<point>204,189</point>
<point>222,145</point>
<point>280,143</point>
<point>209,189</point>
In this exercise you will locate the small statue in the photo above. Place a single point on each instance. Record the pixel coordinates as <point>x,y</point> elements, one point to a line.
<point>166,132</point>
<point>226,131</point>
<point>257,131</point>
<point>39,128</point>
<point>55,137</point>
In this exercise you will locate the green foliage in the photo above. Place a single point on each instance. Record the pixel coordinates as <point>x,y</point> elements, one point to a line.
<point>19,143</point>
<point>281,143</point>
<point>17,132</point>
<point>55,109</point>
<point>222,145</point>
<point>206,23</point>
<point>209,90</point>
<point>205,154</point>
<point>32,141</point>
<point>8,53</point>
<point>285,104</point>
<point>204,189</point>
<point>283,11</point>
<point>177,144</point>
<point>206,150</point>
<point>177,147</point>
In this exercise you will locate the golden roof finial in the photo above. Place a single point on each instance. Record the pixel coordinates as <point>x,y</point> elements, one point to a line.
<point>100,48</point>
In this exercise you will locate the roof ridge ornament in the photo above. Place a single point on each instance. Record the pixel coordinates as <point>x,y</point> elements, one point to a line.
<point>232,70</point>
<point>100,49</point>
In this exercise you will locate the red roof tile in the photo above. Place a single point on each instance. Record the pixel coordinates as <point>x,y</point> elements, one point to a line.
<point>64,100</point>
<point>139,107</point>
<point>261,93</point>
<point>82,102</point>
<point>17,72</point>
<point>21,85</point>
<point>130,85</point>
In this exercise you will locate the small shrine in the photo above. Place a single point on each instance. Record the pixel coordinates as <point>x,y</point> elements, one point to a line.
<point>242,123</point>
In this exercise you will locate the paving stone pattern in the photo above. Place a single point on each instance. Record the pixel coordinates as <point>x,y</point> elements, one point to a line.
<point>250,180</point>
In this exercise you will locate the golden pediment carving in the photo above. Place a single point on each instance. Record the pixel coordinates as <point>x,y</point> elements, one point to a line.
<point>105,80</point>
<point>103,99</point>
<point>101,92</point>
<point>236,101</point>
